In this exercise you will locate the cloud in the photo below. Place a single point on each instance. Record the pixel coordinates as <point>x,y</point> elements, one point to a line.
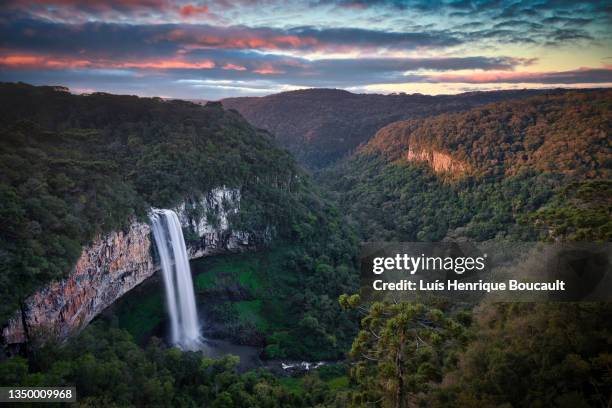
<point>237,64</point>
<point>37,62</point>
<point>582,75</point>
<point>376,38</point>
<point>236,38</point>
<point>131,39</point>
<point>143,45</point>
<point>268,69</point>
<point>234,67</point>
<point>190,10</point>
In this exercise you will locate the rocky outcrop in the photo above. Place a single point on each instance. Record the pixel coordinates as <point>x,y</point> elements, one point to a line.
<point>114,264</point>
<point>440,162</point>
<point>108,268</point>
<point>208,220</point>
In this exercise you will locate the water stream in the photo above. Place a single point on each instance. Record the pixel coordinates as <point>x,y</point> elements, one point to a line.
<point>180,298</point>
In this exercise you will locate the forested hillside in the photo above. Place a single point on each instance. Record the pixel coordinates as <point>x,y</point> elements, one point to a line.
<point>319,126</point>
<point>481,173</point>
<point>75,166</point>
<point>533,169</point>
<point>537,169</point>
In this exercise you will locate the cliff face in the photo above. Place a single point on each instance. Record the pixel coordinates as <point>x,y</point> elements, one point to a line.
<point>108,268</point>
<point>209,219</point>
<point>440,162</point>
<point>116,263</point>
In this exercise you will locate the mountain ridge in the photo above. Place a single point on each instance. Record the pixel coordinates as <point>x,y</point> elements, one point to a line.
<point>497,166</point>
<point>321,125</point>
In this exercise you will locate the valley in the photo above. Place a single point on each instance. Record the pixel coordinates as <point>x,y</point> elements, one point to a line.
<point>274,248</point>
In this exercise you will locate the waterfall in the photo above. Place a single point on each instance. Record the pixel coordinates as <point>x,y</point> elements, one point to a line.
<point>168,235</point>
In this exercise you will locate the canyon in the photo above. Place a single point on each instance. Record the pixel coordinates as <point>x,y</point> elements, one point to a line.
<point>115,263</point>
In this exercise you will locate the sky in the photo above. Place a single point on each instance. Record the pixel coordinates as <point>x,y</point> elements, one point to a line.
<point>209,50</point>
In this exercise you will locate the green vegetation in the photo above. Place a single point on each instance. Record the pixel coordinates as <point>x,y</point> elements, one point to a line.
<point>538,169</point>
<point>110,370</point>
<point>283,297</point>
<point>141,313</point>
<point>581,211</point>
<point>298,385</point>
<point>520,355</point>
<point>68,172</point>
<point>408,202</point>
<point>533,170</point>
<point>517,157</point>
<point>72,167</point>
<point>533,355</point>
<point>320,126</point>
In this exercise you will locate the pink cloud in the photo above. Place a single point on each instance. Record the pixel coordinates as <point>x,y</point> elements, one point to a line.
<point>238,40</point>
<point>190,10</point>
<point>35,61</point>
<point>92,4</point>
<point>30,61</point>
<point>233,67</point>
<point>267,69</point>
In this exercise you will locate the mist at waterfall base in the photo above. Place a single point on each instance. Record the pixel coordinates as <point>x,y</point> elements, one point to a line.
<point>180,298</point>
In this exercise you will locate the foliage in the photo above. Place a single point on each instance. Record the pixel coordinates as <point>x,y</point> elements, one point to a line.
<point>75,166</point>
<point>566,133</point>
<point>517,156</point>
<point>408,202</point>
<point>319,126</point>
<point>401,350</point>
<point>536,169</point>
<point>533,355</point>
<point>581,211</point>
<point>283,296</point>
<point>109,369</point>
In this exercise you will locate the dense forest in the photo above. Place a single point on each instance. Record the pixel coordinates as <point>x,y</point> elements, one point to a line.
<point>76,166</point>
<point>518,157</point>
<point>532,169</point>
<point>320,126</point>
<point>537,169</point>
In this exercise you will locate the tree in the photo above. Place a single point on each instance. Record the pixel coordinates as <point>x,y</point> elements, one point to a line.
<point>399,351</point>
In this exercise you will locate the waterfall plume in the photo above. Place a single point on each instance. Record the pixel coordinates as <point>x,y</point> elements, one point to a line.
<point>170,243</point>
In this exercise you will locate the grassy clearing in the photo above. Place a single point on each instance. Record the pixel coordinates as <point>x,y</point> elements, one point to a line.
<point>230,269</point>
<point>250,311</point>
<point>257,272</point>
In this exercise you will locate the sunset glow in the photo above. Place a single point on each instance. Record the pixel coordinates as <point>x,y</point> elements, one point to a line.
<point>184,49</point>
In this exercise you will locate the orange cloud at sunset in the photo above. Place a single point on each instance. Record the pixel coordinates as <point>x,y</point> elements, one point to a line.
<point>28,61</point>
<point>191,10</point>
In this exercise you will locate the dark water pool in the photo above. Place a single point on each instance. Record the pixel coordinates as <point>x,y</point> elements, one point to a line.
<point>249,356</point>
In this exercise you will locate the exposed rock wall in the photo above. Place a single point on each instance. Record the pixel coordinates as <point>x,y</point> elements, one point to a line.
<point>440,162</point>
<point>116,263</point>
<point>108,268</point>
<point>208,219</point>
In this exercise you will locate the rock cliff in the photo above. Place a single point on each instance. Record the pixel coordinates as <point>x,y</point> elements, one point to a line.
<point>440,162</point>
<point>114,264</point>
